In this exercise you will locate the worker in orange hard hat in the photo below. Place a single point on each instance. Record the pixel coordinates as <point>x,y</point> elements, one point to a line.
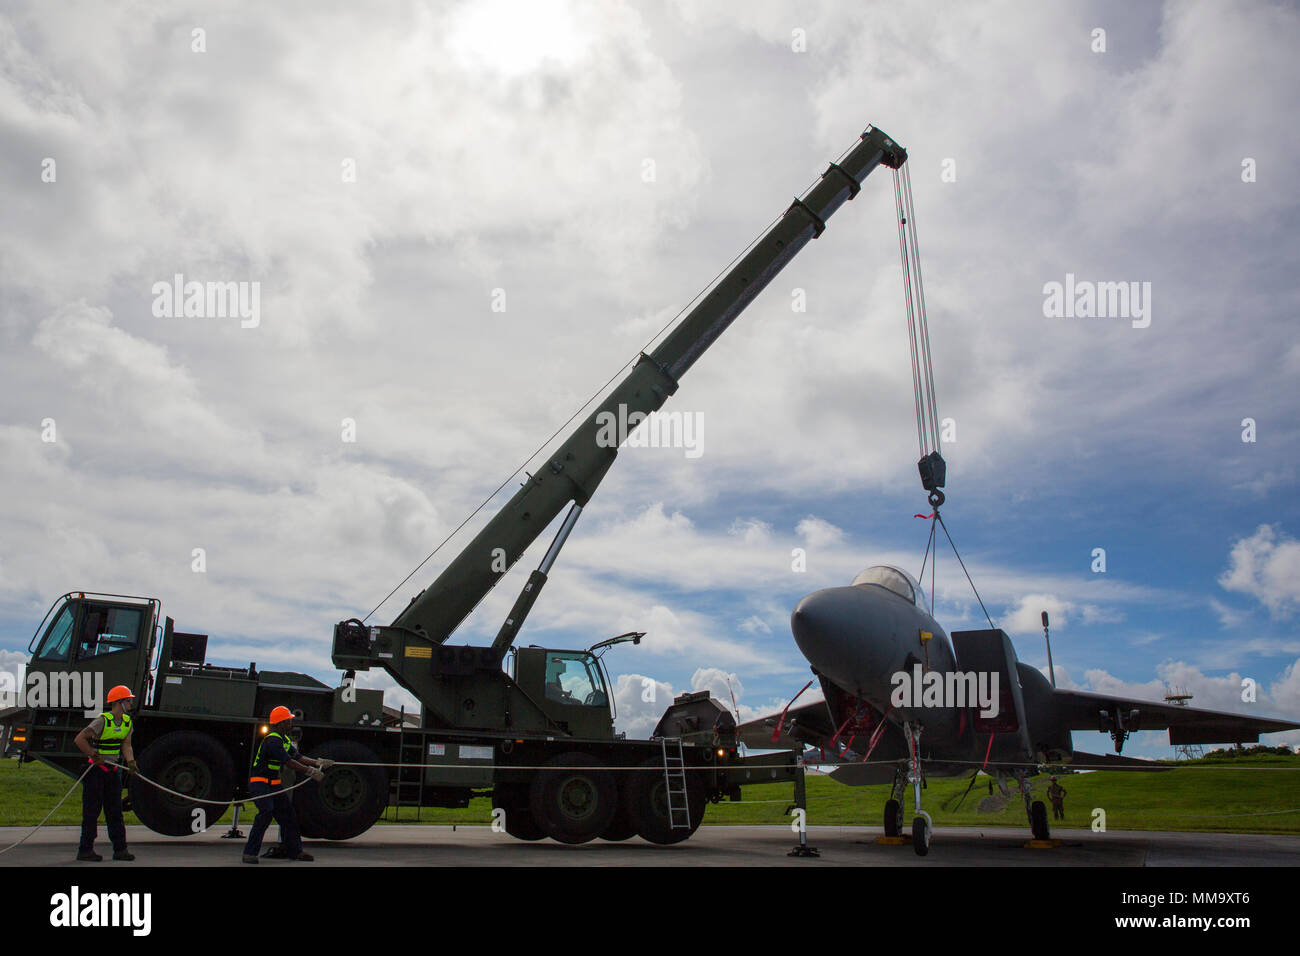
<point>106,741</point>
<point>270,798</point>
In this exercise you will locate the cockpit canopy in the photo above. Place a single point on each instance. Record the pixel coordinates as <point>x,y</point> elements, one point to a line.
<point>893,579</point>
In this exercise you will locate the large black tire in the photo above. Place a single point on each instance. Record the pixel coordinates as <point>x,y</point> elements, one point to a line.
<point>188,762</point>
<point>622,827</point>
<point>920,835</point>
<point>349,800</point>
<point>1038,821</point>
<point>573,798</point>
<point>519,822</point>
<point>647,805</point>
<point>893,818</point>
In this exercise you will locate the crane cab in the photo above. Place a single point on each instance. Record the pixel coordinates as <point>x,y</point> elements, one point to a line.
<point>571,687</point>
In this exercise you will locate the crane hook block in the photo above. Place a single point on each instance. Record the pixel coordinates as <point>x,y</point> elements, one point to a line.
<point>934,471</point>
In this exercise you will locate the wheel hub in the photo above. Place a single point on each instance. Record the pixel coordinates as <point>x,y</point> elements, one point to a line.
<point>577,798</point>
<point>187,775</point>
<point>342,791</point>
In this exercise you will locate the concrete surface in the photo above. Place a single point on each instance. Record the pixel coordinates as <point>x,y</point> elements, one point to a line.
<point>712,846</point>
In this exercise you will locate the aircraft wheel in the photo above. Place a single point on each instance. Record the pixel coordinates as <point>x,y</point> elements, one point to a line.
<point>893,818</point>
<point>519,822</point>
<point>187,762</point>
<point>1038,821</point>
<point>573,799</point>
<point>921,830</point>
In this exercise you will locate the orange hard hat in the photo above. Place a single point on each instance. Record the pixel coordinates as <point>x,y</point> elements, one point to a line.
<point>281,714</point>
<point>120,692</point>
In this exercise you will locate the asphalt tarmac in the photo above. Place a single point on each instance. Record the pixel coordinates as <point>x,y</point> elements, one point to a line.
<point>743,846</point>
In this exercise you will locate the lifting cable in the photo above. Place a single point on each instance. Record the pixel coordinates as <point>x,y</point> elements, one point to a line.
<point>918,326</point>
<point>931,465</point>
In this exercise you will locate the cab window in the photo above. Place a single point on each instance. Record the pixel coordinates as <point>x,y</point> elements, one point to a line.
<point>574,679</point>
<point>105,629</point>
<point>58,639</point>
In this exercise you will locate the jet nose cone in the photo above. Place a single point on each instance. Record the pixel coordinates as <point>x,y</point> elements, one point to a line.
<point>844,634</point>
<point>822,624</point>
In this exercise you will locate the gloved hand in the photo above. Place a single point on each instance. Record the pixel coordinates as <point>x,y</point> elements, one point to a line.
<point>316,774</point>
<point>324,763</point>
<point>99,760</point>
<point>132,767</point>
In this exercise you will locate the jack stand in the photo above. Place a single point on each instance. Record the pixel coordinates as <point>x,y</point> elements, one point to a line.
<point>234,833</point>
<point>801,805</point>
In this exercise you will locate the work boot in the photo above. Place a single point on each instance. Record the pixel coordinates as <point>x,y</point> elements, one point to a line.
<point>90,856</point>
<point>250,858</point>
<point>303,858</point>
<point>123,855</point>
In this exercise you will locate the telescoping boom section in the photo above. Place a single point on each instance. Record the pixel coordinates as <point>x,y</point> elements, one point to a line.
<point>413,648</point>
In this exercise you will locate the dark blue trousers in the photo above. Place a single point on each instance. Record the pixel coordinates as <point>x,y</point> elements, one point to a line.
<point>280,806</point>
<point>102,790</point>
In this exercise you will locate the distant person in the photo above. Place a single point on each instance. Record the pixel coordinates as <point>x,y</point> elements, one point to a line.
<point>1056,793</point>
<point>270,798</point>
<point>106,739</point>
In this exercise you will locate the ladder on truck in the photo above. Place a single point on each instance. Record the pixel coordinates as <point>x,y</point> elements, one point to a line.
<point>679,809</point>
<point>408,785</point>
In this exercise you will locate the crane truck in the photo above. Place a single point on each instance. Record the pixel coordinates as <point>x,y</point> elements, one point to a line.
<point>531,726</point>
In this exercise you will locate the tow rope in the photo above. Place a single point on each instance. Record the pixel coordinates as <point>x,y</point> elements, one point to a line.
<point>89,767</point>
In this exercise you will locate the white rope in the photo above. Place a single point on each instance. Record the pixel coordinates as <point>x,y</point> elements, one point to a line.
<point>220,803</point>
<point>89,767</point>
<point>511,766</point>
<point>786,766</point>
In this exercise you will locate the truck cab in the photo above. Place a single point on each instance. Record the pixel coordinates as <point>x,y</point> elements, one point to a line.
<point>86,644</point>
<point>571,688</point>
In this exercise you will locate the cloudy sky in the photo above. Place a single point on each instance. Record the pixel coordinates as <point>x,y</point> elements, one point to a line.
<point>461,219</point>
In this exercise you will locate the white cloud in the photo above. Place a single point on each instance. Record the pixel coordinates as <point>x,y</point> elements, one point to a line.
<point>1026,615</point>
<point>511,152</point>
<point>1266,566</point>
<point>1279,698</point>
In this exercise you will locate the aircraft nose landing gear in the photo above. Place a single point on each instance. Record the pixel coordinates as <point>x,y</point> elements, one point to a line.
<point>921,825</point>
<point>921,829</point>
<point>1036,810</point>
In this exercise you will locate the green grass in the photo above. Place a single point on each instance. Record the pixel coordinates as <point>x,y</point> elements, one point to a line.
<point>1195,796</point>
<point>1191,797</point>
<point>27,793</point>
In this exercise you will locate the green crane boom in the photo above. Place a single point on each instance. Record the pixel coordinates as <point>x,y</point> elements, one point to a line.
<point>573,472</point>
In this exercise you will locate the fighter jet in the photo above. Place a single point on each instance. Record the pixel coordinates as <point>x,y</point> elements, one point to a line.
<point>903,700</point>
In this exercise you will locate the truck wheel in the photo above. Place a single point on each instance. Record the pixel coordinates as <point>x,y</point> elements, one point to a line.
<point>573,798</point>
<point>647,805</point>
<point>190,763</point>
<point>519,822</point>
<point>349,800</point>
<point>622,827</point>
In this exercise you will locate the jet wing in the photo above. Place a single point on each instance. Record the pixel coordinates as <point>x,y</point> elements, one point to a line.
<point>1084,761</point>
<point>1081,710</point>
<point>805,724</point>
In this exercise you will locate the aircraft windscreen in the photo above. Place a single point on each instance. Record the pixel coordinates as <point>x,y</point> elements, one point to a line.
<point>900,582</point>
